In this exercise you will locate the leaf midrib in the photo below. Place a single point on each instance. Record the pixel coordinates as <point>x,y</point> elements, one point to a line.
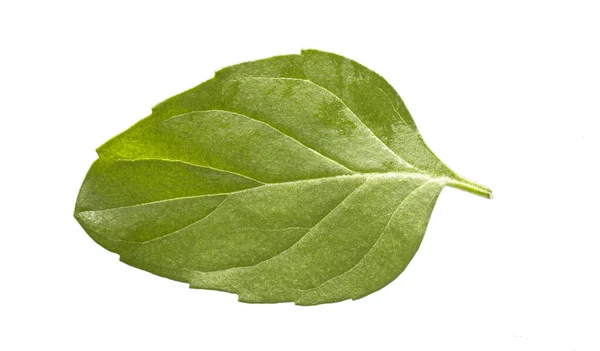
<point>396,174</point>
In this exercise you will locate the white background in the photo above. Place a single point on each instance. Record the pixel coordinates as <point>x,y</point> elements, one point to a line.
<point>506,93</point>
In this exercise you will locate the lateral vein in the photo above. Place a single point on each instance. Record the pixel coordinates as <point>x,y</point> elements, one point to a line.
<point>374,244</point>
<point>289,136</point>
<point>371,133</point>
<point>293,245</point>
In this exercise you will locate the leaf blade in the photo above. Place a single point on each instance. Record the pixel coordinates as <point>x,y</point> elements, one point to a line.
<point>297,178</point>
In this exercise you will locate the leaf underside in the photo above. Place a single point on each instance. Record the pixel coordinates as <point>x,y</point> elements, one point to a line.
<point>297,178</point>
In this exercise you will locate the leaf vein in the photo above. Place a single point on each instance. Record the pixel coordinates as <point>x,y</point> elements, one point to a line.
<point>374,244</point>
<point>393,107</point>
<point>291,137</point>
<point>271,127</point>
<point>187,226</point>
<point>293,245</point>
<point>194,165</point>
<point>371,133</point>
<point>405,175</point>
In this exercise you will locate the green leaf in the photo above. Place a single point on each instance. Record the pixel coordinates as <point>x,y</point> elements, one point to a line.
<point>295,178</point>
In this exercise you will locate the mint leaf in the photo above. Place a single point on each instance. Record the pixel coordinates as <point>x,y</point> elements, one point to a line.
<point>295,178</point>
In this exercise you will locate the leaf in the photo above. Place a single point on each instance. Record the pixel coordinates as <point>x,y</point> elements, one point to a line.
<point>295,178</point>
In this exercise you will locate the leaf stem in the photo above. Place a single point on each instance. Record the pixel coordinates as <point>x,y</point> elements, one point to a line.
<point>472,187</point>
